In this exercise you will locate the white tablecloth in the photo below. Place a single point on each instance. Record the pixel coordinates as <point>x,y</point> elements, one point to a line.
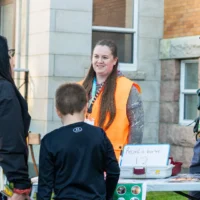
<point>164,185</point>
<point>151,185</point>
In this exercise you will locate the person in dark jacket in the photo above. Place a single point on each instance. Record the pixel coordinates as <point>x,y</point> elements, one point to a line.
<point>195,167</point>
<point>14,125</point>
<point>73,158</point>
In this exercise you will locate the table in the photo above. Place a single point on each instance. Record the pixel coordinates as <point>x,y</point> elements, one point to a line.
<point>152,185</point>
<point>161,185</point>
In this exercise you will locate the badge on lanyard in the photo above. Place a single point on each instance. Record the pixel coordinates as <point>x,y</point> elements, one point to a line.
<point>89,120</point>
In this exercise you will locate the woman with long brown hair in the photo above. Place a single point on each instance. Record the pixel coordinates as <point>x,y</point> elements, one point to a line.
<point>114,101</point>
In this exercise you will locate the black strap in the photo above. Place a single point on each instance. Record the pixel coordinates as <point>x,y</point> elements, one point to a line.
<point>186,195</point>
<point>89,111</point>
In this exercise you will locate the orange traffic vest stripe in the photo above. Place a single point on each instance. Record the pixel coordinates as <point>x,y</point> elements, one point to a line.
<point>118,132</point>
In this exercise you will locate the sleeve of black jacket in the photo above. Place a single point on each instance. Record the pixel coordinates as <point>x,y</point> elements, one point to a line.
<point>111,168</point>
<point>46,172</point>
<point>13,148</point>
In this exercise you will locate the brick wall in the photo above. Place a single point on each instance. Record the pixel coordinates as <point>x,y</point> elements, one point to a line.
<point>181,18</point>
<point>109,13</point>
<point>181,138</point>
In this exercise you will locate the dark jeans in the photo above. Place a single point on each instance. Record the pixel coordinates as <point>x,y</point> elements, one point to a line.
<point>195,194</point>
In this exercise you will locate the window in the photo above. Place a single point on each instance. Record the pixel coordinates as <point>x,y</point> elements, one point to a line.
<point>117,20</point>
<point>7,21</point>
<point>188,91</point>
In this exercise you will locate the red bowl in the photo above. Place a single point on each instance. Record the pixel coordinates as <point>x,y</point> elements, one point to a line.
<point>177,166</point>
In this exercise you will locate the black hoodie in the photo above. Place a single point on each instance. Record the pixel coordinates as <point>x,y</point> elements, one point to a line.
<point>14,125</point>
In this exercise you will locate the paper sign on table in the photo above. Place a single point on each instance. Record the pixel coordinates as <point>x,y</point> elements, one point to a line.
<point>145,155</point>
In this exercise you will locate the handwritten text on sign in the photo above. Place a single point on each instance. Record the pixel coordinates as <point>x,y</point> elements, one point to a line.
<point>145,155</point>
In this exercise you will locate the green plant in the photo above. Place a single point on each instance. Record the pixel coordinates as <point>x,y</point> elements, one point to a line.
<point>164,196</point>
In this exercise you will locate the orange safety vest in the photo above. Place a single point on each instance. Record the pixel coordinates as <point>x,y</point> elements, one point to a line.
<point>118,132</point>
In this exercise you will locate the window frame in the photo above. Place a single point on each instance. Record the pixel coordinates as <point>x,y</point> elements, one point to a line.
<point>134,31</point>
<point>183,92</point>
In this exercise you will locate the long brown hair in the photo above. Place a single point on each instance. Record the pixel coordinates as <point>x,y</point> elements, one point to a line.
<point>107,105</point>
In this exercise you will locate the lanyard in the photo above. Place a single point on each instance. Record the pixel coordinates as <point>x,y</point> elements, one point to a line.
<point>94,95</point>
<point>94,88</point>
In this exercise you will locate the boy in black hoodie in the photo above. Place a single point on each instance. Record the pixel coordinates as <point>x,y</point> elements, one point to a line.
<point>73,158</point>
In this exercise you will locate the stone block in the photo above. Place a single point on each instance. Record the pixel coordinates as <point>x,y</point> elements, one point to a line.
<point>150,27</point>
<point>150,90</point>
<point>39,21</point>
<point>23,62</point>
<point>150,133</point>
<point>151,69</point>
<point>38,87</point>
<point>85,5</point>
<point>70,43</point>
<point>181,135</point>
<point>55,82</point>
<point>41,109</point>
<point>169,112</point>
<point>41,65</point>
<point>154,8</point>
<point>163,132</point>
<point>39,44</point>
<point>176,152</point>
<point>170,70</point>
<point>55,116</point>
<point>178,48</point>
<point>151,111</point>
<point>80,22</point>
<point>52,125</point>
<point>37,126</point>
<point>134,75</point>
<point>169,91</point>
<point>71,66</point>
<point>52,20</point>
<point>148,48</point>
<point>38,5</point>
<point>187,156</point>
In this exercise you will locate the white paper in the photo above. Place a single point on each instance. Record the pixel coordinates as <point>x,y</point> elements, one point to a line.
<point>145,155</point>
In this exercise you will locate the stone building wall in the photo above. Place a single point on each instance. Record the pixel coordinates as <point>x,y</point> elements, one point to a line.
<point>53,41</point>
<point>181,41</point>
<point>181,138</point>
<point>150,31</point>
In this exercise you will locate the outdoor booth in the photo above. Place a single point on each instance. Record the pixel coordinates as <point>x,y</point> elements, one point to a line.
<point>145,168</point>
<point>148,167</point>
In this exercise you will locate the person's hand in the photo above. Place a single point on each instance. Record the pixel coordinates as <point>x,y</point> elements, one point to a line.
<point>16,196</point>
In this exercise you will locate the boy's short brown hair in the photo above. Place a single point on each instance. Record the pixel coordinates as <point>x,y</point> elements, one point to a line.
<point>70,98</point>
